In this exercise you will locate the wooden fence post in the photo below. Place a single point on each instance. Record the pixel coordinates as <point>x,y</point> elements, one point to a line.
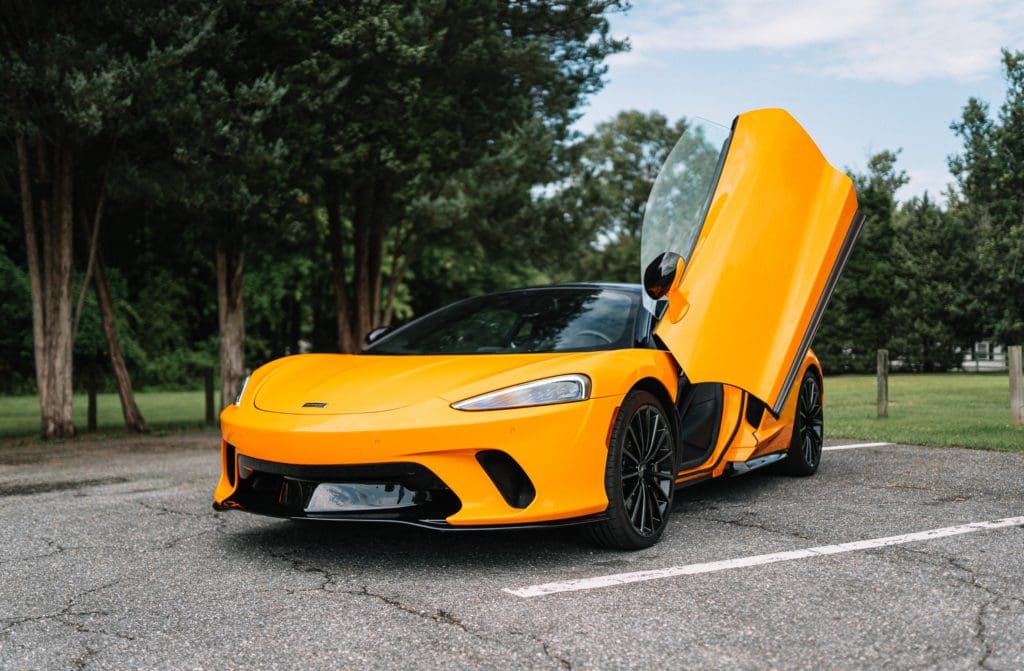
<point>883,383</point>
<point>1013,362</point>
<point>209,395</point>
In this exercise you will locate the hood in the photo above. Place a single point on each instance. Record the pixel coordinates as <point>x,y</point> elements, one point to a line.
<point>364,383</point>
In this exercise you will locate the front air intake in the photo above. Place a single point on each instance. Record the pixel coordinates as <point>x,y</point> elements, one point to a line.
<point>229,463</point>
<point>508,476</point>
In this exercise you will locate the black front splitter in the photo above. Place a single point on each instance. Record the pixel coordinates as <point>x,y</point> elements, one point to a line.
<point>433,525</point>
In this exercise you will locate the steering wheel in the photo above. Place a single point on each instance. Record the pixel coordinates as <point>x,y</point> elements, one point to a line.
<point>596,334</point>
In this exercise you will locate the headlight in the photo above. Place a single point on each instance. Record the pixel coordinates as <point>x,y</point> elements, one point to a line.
<point>241,392</point>
<point>561,389</point>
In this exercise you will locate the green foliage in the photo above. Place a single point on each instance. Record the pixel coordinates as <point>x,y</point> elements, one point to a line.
<point>990,174</point>
<point>90,349</point>
<point>243,124</point>
<point>934,259</point>
<point>859,318</point>
<point>603,198</point>
<point>16,353</point>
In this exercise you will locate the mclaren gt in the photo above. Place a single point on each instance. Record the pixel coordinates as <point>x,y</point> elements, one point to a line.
<point>586,404</point>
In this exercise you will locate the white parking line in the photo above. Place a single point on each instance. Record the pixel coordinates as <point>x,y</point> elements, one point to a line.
<point>853,446</point>
<point>757,560</point>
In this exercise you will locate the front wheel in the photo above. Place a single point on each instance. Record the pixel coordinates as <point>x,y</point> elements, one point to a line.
<point>804,454</point>
<point>639,475</point>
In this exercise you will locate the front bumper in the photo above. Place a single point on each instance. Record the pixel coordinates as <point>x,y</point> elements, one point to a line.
<point>425,464</point>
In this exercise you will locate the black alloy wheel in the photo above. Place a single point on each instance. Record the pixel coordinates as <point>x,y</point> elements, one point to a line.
<point>808,428</point>
<point>639,475</point>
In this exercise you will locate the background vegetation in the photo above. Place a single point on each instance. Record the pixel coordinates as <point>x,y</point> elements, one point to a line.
<point>247,180</point>
<point>949,409</point>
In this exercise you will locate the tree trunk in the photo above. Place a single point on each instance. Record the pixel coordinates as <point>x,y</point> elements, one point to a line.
<point>362,280</point>
<point>34,277</point>
<point>378,228</point>
<point>337,242</point>
<point>133,420</point>
<point>49,270</point>
<point>231,319</point>
<point>93,239</point>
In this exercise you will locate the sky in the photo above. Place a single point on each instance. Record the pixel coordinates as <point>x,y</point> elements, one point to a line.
<point>860,76</point>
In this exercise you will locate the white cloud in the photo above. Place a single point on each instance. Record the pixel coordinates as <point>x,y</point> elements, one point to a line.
<point>897,40</point>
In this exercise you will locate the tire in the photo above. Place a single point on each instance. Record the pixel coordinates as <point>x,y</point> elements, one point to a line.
<point>804,455</point>
<point>639,475</point>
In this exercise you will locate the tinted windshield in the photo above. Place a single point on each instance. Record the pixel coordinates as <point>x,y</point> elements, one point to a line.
<point>679,198</point>
<point>557,319</point>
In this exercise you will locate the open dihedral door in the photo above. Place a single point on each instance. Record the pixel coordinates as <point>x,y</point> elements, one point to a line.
<point>763,226</point>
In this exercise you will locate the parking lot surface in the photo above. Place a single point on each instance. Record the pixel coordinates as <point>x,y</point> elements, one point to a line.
<point>111,557</point>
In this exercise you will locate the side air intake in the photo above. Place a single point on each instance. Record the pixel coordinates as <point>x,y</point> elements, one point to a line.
<point>508,476</point>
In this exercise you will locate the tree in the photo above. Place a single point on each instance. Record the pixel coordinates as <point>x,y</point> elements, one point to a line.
<point>610,179</point>
<point>933,314</point>
<point>859,319</point>
<point>406,98</point>
<point>183,137</point>
<point>59,91</point>
<point>990,174</point>
<point>219,160</point>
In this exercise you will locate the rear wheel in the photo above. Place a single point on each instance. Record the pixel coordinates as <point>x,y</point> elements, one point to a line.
<point>639,475</point>
<point>808,429</point>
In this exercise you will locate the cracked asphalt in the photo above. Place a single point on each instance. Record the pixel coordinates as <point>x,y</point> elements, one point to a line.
<point>111,557</point>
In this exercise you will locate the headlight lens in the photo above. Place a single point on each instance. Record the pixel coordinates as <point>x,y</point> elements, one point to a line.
<point>241,392</point>
<point>549,391</point>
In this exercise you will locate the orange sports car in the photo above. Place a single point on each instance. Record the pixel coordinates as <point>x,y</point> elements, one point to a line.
<point>580,404</point>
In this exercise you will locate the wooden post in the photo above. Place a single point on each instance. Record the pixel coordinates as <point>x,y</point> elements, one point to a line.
<point>208,375</point>
<point>1013,361</point>
<point>883,383</point>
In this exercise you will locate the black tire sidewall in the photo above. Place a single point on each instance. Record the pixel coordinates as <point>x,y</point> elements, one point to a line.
<point>619,523</point>
<point>797,463</point>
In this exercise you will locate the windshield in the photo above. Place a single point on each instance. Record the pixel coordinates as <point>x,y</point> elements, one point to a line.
<point>679,198</point>
<point>556,319</point>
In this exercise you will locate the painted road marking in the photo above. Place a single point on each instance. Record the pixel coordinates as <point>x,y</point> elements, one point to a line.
<point>853,446</point>
<point>758,560</point>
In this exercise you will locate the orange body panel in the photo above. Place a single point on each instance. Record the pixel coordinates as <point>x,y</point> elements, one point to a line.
<point>775,230</point>
<point>562,447</point>
<point>738,441</point>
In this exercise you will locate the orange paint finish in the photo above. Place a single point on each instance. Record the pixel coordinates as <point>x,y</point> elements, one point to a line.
<point>561,447</point>
<point>775,435</point>
<point>775,227</point>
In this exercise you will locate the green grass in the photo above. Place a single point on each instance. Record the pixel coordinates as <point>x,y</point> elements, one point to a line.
<point>946,410</point>
<point>960,410</point>
<point>163,410</point>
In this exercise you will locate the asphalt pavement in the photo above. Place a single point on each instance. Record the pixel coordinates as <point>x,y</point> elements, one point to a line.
<point>111,557</point>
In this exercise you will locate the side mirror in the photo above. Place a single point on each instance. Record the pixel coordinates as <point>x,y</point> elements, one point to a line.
<point>377,334</point>
<point>661,273</point>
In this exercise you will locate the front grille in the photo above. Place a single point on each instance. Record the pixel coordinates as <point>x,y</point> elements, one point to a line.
<point>388,491</point>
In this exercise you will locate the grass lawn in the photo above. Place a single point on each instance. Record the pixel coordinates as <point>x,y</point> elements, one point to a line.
<point>163,410</point>
<point>955,409</point>
<point>951,409</point>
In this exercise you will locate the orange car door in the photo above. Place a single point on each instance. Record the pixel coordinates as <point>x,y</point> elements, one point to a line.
<point>752,228</point>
